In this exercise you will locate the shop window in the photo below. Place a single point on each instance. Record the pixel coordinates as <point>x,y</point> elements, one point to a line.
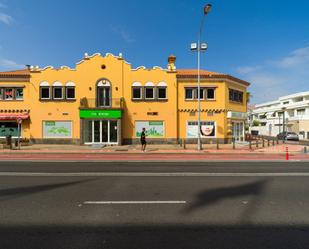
<point>1,93</point>
<point>8,93</point>
<point>8,128</point>
<point>19,93</point>
<point>70,92</point>
<point>189,93</point>
<point>57,92</point>
<point>162,93</point>
<point>149,93</point>
<point>137,92</point>
<point>208,129</point>
<point>45,92</point>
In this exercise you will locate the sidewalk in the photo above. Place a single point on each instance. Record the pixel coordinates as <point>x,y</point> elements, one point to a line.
<point>157,149</point>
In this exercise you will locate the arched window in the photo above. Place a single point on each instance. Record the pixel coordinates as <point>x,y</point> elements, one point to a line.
<point>70,90</point>
<point>104,96</point>
<point>58,90</point>
<point>162,90</point>
<point>137,91</point>
<point>149,90</point>
<point>45,90</point>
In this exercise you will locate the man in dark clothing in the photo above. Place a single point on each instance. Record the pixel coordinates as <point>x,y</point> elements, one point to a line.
<point>143,139</point>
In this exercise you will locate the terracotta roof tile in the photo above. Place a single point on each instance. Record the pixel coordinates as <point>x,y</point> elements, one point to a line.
<point>23,72</point>
<point>192,73</point>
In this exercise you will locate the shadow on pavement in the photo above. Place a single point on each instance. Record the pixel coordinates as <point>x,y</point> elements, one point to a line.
<point>154,237</point>
<point>12,193</point>
<point>212,196</point>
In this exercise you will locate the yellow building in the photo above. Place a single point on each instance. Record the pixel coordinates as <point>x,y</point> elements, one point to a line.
<point>105,101</point>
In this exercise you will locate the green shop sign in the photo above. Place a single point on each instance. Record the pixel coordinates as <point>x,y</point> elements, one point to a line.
<point>100,114</point>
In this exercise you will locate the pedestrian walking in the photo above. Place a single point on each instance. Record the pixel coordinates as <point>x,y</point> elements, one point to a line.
<point>143,139</point>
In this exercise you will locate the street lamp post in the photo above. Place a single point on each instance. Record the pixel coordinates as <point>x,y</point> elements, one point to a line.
<point>200,47</point>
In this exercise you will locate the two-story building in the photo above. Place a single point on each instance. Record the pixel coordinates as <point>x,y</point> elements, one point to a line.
<point>103,100</point>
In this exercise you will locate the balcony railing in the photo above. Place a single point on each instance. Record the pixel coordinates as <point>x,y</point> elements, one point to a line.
<point>102,103</point>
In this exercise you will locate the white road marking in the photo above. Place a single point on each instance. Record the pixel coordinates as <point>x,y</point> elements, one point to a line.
<point>150,174</point>
<point>131,202</point>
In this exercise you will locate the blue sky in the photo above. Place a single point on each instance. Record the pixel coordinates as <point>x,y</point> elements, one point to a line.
<point>263,41</point>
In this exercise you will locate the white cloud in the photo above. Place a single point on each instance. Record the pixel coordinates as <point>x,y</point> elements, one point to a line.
<point>247,69</point>
<point>9,64</point>
<point>125,35</point>
<point>6,19</point>
<point>298,57</point>
<point>275,78</point>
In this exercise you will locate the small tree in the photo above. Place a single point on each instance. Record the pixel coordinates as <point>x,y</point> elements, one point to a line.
<point>256,123</point>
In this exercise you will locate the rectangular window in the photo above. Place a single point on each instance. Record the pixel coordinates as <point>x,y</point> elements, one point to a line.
<point>70,94</point>
<point>210,93</point>
<point>189,93</point>
<point>301,112</point>
<point>137,92</point>
<point>202,93</point>
<point>8,93</point>
<point>236,96</point>
<point>19,93</point>
<point>1,93</point>
<point>8,128</point>
<point>208,129</point>
<point>45,92</point>
<point>162,93</point>
<point>57,129</point>
<point>58,92</point>
<point>149,93</point>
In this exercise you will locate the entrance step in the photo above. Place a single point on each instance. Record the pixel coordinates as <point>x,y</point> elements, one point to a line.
<point>97,146</point>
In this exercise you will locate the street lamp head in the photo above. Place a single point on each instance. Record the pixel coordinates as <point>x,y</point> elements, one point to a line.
<point>193,46</point>
<point>207,9</point>
<point>204,47</point>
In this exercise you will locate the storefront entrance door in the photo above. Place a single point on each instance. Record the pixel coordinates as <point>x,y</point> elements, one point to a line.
<point>101,132</point>
<point>238,131</point>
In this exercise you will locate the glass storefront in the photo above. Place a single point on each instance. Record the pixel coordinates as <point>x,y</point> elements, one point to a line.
<point>100,131</point>
<point>8,128</point>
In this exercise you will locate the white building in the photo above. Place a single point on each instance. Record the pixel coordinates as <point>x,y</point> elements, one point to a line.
<point>289,113</point>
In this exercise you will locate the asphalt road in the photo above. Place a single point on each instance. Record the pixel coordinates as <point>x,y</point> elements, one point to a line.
<point>154,205</point>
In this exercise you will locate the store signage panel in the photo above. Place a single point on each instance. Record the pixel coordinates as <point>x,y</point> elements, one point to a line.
<point>109,114</point>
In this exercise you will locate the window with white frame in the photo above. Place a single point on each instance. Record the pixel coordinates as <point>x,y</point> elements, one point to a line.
<point>189,92</point>
<point>19,93</point>
<point>70,90</point>
<point>210,93</point>
<point>8,93</point>
<point>149,90</point>
<point>205,93</point>
<point>162,90</point>
<point>57,90</point>
<point>11,93</point>
<point>45,90</point>
<point>137,90</point>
